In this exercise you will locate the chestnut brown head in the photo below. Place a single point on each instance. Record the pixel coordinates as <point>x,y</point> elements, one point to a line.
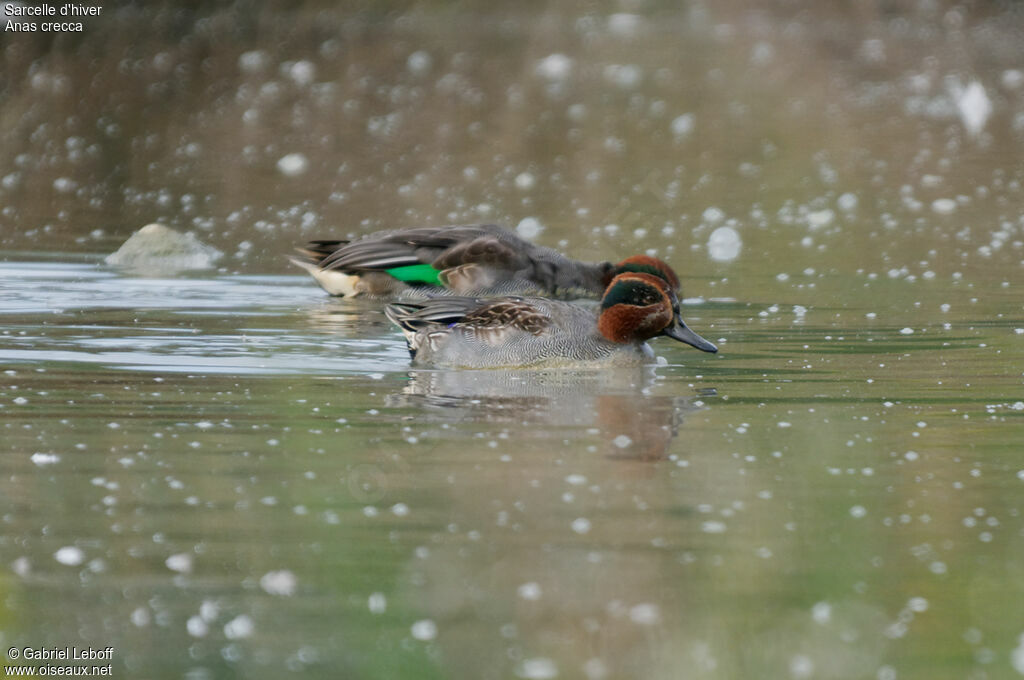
<point>638,306</point>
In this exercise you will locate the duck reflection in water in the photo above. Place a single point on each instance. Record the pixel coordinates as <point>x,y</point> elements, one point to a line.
<point>618,407</point>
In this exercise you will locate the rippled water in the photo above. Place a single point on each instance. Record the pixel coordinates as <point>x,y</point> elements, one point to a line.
<point>228,474</point>
<point>232,474</point>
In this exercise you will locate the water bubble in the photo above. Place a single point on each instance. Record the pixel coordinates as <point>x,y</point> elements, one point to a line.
<point>424,630</point>
<point>581,525</point>
<point>377,603</point>
<point>724,244</point>
<point>181,563</point>
<point>537,668</point>
<point>70,555</point>
<point>419,62</point>
<point>525,181</point>
<point>683,125</point>
<point>847,202</point>
<point>239,627</point>
<point>293,164</point>
<point>529,591</point>
<point>529,227</point>
<point>554,67</point>
<point>974,106</point>
<point>281,582</point>
<point>196,627</point>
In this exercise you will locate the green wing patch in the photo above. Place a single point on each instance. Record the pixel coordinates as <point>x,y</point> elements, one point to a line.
<point>418,273</point>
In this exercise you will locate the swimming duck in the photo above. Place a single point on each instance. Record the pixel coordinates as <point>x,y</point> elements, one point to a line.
<point>472,260</point>
<point>514,331</point>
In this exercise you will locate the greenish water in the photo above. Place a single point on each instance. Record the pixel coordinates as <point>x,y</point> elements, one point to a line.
<point>227,474</point>
<point>252,483</point>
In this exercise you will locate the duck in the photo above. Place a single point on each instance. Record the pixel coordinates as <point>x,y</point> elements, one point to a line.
<point>510,332</point>
<point>465,260</point>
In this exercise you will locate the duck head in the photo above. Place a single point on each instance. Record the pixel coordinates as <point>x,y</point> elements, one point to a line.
<point>638,306</point>
<point>645,264</point>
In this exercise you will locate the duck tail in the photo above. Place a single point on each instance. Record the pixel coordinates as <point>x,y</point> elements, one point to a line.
<point>403,315</point>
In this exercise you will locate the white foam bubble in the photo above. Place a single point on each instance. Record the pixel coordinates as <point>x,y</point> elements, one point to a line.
<point>424,630</point>
<point>724,244</point>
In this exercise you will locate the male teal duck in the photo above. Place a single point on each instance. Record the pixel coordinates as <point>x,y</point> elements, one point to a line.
<point>472,260</point>
<point>502,332</point>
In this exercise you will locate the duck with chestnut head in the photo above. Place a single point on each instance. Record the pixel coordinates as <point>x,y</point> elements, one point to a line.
<point>539,332</point>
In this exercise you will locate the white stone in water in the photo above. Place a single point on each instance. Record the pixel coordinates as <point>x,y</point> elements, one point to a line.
<point>724,244</point>
<point>293,164</point>
<point>419,62</point>
<point>683,125</point>
<point>377,603</point>
<point>974,106</point>
<point>821,612</point>
<point>529,227</point>
<point>424,630</point>
<point>529,591</point>
<point>554,67</point>
<point>181,563</point>
<point>943,206</point>
<point>239,627</point>
<point>858,511</point>
<point>45,458</point>
<point>645,614</point>
<point>713,526</point>
<point>281,582</point>
<point>157,250</point>
<point>538,668</point>
<point>69,555</point>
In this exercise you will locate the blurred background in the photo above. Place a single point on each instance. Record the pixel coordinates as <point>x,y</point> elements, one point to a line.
<point>838,134</point>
